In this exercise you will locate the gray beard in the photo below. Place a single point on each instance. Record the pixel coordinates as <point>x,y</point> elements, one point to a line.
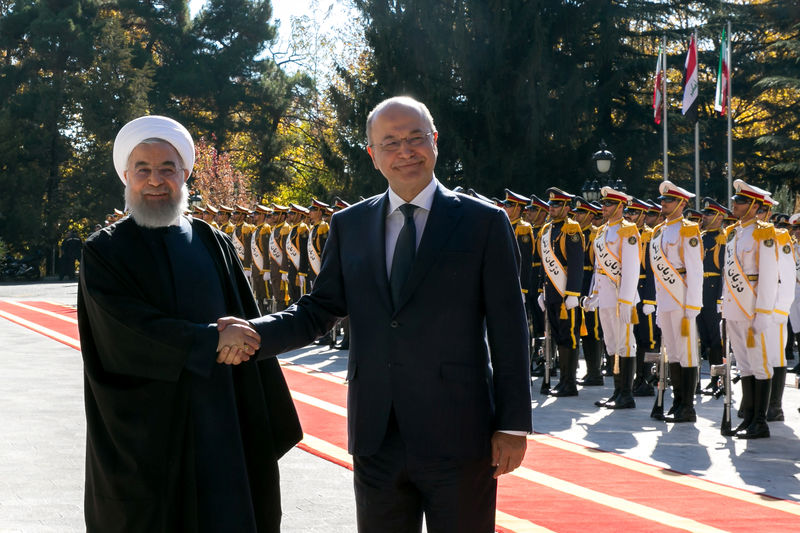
<point>158,216</point>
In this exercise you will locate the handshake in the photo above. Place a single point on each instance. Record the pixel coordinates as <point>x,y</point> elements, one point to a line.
<point>238,341</point>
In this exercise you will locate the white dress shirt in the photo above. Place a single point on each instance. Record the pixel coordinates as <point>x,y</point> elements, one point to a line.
<point>395,218</point>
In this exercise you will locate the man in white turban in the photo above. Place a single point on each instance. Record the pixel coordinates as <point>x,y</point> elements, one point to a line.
<point>177,440</point>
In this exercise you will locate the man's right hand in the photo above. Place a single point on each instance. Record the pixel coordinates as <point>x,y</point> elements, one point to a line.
<point>238,341</point>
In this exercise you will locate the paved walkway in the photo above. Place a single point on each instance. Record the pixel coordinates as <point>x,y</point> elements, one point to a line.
<point>43,432</point>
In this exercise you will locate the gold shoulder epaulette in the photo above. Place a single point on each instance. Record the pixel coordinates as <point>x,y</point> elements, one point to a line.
<point>647,235</point>
<point>689,228</point>
<point>627,229</point>
<point>593,232</point>
<point>570,226</point>
<point>302,229</point>
<point>764,231</point>
<point>323,228</point>
<point>523,228</point>
<point>286,229</point>
<point>721,240</point>
<point>782,236</point>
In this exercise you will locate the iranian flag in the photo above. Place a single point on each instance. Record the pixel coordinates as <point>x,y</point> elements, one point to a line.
<point>690,85</point>
<point>723,77</point>
<point>658,90</point>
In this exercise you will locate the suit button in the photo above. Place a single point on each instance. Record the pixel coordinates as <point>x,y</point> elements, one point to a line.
<point>395,324</point>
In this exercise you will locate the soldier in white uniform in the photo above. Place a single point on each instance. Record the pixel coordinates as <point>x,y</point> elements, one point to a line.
<point>794,311</point>
<point>779,331</point>
<point>676,258</point>
<point>616,275</point>
<point>748,300</point>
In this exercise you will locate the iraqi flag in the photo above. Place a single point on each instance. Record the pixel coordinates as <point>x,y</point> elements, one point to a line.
<point>690,85</point>
<point>658,90</point>
<point>723,77</point>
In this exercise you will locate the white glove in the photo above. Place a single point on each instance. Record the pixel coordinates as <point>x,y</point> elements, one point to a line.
<point>247,273</point>
<point>266,276</point>
<point>571,302</point>
<point>625,313</point>
<point>590,302</point>
<point>285,277</point>
<point>691,314</point>
<point>719,307</point>
<point>761,323</point>
<point>302,283</point>
<point>779,318</point>
<point>540,300</point>
<point>648,309</point>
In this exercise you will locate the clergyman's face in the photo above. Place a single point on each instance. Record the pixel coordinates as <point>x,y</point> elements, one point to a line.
<point>155,184</point>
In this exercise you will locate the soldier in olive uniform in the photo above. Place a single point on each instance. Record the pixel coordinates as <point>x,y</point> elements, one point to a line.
<point>561,247</point>
<point>713,214</point>
<point>584,214</point>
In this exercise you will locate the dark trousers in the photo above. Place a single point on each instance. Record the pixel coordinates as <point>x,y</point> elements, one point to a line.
<point>393,488</point>
<point>565,331</point>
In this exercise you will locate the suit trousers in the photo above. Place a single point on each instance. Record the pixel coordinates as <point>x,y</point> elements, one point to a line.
<point>393,489</point>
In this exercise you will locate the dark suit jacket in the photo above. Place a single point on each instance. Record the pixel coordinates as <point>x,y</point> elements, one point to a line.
<point>429,358</point>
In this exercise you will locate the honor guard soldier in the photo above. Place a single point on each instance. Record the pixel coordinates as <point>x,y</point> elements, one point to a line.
<point>297,252</point>
<point>317,235</point>
<point>240,236</point>
<point>198,212</point>
<point>277,258</point>
<point>781,221</point>
<point>692,215</point>
<point>223,219</point>
<point>647,333</point>
<point>259,252</point>
<point>676,259</point>
<point>211,215</point>
<point>584,214</point>
<point>537,211</point>
<point>344,324</point>
<point>713,237</point>
<point>616,275</point>
<point>750,273</point>
<point>514,205</point>
<point>561,248</point>
<point>779,334</point>
<point>794,312</point>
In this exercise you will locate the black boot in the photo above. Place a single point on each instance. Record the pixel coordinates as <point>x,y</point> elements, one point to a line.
<point>592,352</point>
<point>758,428</point>
<point>686,412</point>
<point>775,409</point>
<point>675,380</point>
<point>641,385</point>
<point>617,388</point>
<point>746,406</point>
<point>567,386</point>
<point>625,397</point>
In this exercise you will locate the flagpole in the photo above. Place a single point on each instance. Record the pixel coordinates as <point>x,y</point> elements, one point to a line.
<point>730,117</point>
<point>696,148</point>
<point>664,89</point>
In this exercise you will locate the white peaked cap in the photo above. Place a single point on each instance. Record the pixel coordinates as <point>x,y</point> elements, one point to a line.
<point>152,127</point>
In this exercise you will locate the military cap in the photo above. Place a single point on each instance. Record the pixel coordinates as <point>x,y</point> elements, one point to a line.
<point>199,209</point>
<point>316,204</point>
<point>794,220</point>
<point>242,209</point>
<point>537,203</point>
<point>338,203</point>
<point>280,208</point>
<point>212,209</point>
<point>670,190</point>
<point>597,208</point>
<point>294,208</point>
<point>225,209</point>
<point>609,193</point>
<point>263,209</point>
<point>780,220</point>
<point>555,194</point>
<point>692,214</point>
<point>479,196</point>
<point>637,205</point>
<point>655,207</point>
<point>712,206</point>
<point>746,191</point>
<point>514,198</point>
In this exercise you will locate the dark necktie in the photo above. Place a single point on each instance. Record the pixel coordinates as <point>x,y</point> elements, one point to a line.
<point>404,252</point>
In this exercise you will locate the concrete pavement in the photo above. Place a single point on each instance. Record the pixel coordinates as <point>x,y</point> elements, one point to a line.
<point>43,432</point>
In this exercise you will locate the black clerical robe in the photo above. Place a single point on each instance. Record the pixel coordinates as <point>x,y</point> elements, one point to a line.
<point>148,358</point>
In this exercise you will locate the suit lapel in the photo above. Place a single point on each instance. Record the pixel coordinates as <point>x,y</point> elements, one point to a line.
<point>376,237</point>
<point>442,220</point>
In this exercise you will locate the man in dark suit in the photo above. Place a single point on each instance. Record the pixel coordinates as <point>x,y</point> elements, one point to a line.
<point>431,423</point>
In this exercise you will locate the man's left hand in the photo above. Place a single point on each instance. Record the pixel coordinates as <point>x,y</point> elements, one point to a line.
<point>507,452</point>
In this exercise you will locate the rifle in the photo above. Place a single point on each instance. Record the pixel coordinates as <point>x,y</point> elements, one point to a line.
<point>548,346</point>
<point>724,370</point>
<point>660,358</point>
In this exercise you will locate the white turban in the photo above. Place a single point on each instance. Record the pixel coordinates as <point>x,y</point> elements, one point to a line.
<point>152,127</point>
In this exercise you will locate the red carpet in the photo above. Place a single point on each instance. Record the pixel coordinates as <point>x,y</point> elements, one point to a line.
<point>560,487</point>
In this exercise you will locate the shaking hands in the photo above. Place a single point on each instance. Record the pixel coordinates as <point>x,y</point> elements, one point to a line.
<point>238,341</point>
